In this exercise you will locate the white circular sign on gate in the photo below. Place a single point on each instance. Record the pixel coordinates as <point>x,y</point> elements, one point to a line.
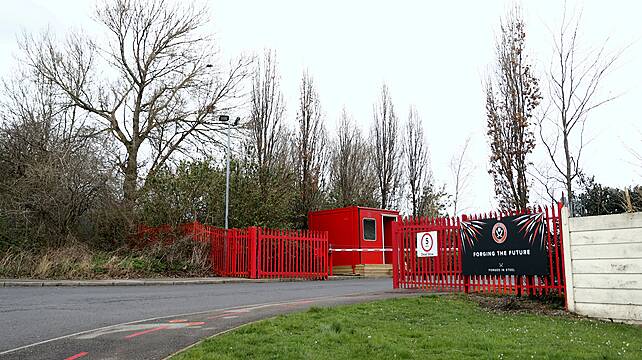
<point>427,244</point>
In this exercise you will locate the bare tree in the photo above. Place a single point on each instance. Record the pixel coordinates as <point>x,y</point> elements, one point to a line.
<point>351,181</point>
<point>511,98</point>
<point>574,77</point>
<point>52,165</point>
<point>461,169</point>
<point>636,155</point>
<point>386,149</point>
<point>155,84</point>
<point>310,153</point>
<point>267,109</point>
<point>266,117</point>
<point>416,159</point>
<point>266,177</point>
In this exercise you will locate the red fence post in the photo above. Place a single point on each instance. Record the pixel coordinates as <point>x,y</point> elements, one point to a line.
<point>328,264</point>
<point>253,249</point>
<point>559,253</point>
<point>210,238</point>
<point>330,260</point>
<point>234,250</point>
<point>461,249</point>
<point>395,255</point>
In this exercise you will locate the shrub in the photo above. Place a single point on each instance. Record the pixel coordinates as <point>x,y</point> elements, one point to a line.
<point>184,257</point>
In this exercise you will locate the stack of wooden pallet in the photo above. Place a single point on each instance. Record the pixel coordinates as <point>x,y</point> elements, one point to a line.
<point>369,270</point>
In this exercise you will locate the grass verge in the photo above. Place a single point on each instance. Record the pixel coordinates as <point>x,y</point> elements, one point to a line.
<point>429,327</point>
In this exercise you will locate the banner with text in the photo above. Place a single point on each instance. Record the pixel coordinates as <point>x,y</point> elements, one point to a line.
<point>513,245</point>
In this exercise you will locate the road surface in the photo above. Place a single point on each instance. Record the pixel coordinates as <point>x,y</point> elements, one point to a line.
<point>152,322</point>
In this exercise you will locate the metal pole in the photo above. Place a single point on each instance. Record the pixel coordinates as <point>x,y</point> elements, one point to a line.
<point>227,179</point>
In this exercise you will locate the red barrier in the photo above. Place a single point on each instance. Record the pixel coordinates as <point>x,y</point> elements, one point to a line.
<point>167,234</point>
<point>255,252</point>
<point>195,230</point>
<point>229,252</point>
<point>217,250</point>
<point>150,235</point>
<point>444,272</point>
<point>292,253</point>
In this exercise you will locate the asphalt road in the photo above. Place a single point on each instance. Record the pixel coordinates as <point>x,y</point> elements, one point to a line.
<point>147,322</point>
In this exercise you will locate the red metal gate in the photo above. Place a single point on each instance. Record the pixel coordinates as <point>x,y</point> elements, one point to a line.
<point>267,253</point>
<point>230,253</point>
<point>292,253</point>
<point>255,252</point>
<point>444,272</point>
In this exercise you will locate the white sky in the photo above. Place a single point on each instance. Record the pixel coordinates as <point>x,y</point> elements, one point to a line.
<point>432,54</point>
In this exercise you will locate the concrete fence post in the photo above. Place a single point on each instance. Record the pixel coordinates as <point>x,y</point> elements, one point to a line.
<point>569,292</point>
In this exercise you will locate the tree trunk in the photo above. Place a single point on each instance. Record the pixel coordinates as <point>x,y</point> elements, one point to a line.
<point>130,181</point>
<point>414,202</point>
<point>569,180</point>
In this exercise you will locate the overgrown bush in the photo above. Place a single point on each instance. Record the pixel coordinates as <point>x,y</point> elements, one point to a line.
<point>193,191</point>
<point>196,191</point>
<point>184,257</point>
<point>54,168</point>
<point>597,199</point>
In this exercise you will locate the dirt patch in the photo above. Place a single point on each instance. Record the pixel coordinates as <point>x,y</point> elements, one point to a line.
<point>553,306</point>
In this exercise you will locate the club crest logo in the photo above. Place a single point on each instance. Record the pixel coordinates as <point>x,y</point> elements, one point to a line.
<point>499,233</point>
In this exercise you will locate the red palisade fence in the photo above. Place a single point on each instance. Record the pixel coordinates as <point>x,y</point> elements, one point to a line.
<point>292,253</point>
<point>255,252</point>
<point>444,272</point>
<point>230,254</point>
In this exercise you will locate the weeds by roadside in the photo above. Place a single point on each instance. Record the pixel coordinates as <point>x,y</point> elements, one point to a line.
<point>183,257</point>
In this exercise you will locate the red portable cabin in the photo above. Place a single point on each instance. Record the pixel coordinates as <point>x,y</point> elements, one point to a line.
<point>356,229</point>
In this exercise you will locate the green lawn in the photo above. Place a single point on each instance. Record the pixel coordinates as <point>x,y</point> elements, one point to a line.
<point>429,327</point>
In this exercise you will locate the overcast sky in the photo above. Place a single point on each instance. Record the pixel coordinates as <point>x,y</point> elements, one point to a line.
<point>432,54</point>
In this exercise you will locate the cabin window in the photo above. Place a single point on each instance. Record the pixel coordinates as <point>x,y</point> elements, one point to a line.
<point>369,229</point>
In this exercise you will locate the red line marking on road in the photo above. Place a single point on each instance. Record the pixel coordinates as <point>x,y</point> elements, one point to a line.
<point>145,332</point>
<point>178,321</point>
<point>79,355</point>
<point>195,323</point>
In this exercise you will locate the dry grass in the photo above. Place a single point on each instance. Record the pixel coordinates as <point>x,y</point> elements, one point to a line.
<point>183,258</point>
<point>502,304</point>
